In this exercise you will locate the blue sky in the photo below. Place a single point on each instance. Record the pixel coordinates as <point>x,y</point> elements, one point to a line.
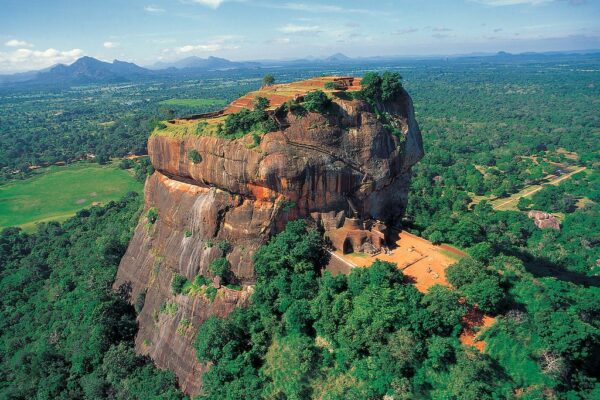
<point>39,33</point>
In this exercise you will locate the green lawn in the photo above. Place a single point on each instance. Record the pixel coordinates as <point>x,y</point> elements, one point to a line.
<point>57,193</point>
<point>193,102</point>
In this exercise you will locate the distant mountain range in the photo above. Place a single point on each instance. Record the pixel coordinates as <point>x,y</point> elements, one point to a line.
<point>210,63</point>
<point>90,70</point>
<point>84,70</point>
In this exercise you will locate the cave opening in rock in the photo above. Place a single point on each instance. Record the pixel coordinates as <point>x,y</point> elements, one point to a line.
<point>348,248</point>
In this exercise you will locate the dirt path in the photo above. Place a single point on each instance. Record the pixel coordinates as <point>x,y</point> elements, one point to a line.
<point>554,182</point>
<point>342,259</point>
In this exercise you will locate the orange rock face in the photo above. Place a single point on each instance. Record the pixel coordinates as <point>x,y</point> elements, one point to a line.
<point>320,167</point>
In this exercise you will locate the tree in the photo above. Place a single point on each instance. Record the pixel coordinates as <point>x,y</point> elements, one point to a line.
<point>317,101</point>
<point>220,267</point>
<point>290,365</point>
<point>261,103</point>
<point>391,85</point>
<point>152,215</point>
<point>473,377</point>
<point>212,337</point>
<point>486,293</point>
<point>268,80</point>
<point>194,156</point>
<point>376,88</point>
<point>177,283</point>
<point>480,285</point>
<point>444,310</point>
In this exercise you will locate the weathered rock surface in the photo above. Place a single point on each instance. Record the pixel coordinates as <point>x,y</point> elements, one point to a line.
<point>323,167</point>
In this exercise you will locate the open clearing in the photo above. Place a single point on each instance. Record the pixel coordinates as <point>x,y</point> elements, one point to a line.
<point>425,264</point>
<point>57,193</point>
<point>511,202</point>
<point>419,259</point>
<point>193,102</point>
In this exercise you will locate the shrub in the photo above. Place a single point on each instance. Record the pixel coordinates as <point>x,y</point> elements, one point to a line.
<point>261,103</point>
<point>152,215</point>
<point>194,156</point>
<point>246,121</point>
<point>334,86</point>
<point>200,127</point>
<point>317,101</point>
<point>126,164</point>
<point>140,301</point>
<point>255,140</point>
<point>211,293</point>
<point>224,246</point>
<point>220,267</point>
<point>295,108</point>
<point>287,204</point>
<point>194,287</point>
<point>177,283</point>
<point>169,308</point>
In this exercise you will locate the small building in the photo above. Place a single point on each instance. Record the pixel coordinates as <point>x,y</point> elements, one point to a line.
<point>356,235</point>
<point>544,220</point>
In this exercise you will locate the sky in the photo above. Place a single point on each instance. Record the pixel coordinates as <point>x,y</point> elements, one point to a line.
<point>36,34</point>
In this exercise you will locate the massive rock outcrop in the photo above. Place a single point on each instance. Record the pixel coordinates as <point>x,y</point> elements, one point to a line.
<point>344,171</point>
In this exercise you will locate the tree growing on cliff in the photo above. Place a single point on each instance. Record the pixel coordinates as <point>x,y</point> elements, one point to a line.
<point>152,215</point>
<point>177,283</point>
<point>246,121</point>
<point>194,156</point>
<point>221,268</point>
<point>376,88</point>
<point>317,101</point>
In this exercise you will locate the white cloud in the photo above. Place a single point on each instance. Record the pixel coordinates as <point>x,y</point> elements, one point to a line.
<point>293,28</point>
<point>227,42</point>
<point>17,43</point>
<point>110,45</point>
<point>320,8</point>
<point>500,3</point>
<point>27,60</point>
<point>154,9</point>
<point>214,4</point>
<point>325,8</point>
<point>279,40</point>
<point>199,48</point>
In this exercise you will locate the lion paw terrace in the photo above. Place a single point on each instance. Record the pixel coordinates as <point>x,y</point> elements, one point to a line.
<point>277,95</point>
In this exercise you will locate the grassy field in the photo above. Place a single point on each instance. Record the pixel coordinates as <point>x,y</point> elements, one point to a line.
<point>510,203</point>
<point>57,193</point>
<point>193,102</point>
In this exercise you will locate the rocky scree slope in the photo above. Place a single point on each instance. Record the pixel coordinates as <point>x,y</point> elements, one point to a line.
<point>236,194</point>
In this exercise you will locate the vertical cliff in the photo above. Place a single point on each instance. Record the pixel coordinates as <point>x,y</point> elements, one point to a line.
<point>340,169</point>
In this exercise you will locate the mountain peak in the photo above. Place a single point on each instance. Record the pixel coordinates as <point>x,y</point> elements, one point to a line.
<point>337,57</point>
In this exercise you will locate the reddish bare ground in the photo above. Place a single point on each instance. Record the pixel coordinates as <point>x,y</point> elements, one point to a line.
<point>475,322</point>
<point>277,95</point>
<point>425,264</point>
<point>419,259</point>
